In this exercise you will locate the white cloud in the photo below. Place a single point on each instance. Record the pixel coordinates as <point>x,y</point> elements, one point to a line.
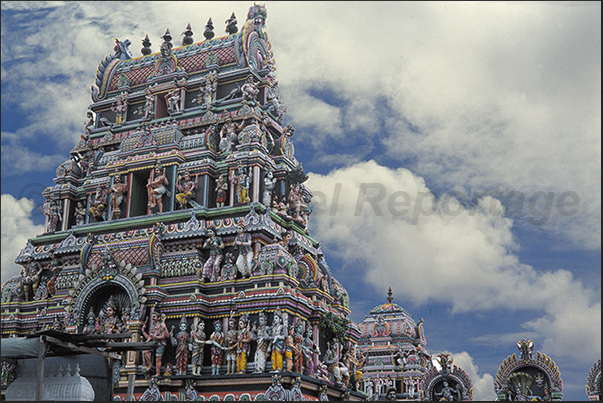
<point>483,385</point>
<point>17,228</point>
<point>387,222</point>
<point>476,94</point>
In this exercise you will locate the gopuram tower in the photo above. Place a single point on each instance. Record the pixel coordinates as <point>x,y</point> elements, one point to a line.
<point>176,234</point>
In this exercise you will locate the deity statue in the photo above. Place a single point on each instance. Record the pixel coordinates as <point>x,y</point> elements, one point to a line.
<point>211,268</point>
<point>90,327</point>
<point>186,188</point>
<point>198,347</point>
<point>209,88</point>
<point>98,202</point>
<point>120,108</point>
<point>243,244</point>
<point>221,191</point>
<point>269,183</point>
<point>118,192</point>
<point>216,339</point>
<point>310,350</point>
<point>228,135</point>
<point>290,349</point>
<point>111,323</point>
<point>148,104</point>
<point>298,354</point>
<point>261,335</point>
<point>277,344</point>
<point>242,181</point>
<point>172,100</point>
<point>80,213</point>
<point>30,278</point>
<point>88,126</point>
<point>243,344</point>
<point>181,343</point>
<point>156,188</point>
<point>159,334</point>
<point>52,209</point>
<point>231,344</point>
<point>447,393</point>
<point>250,89</point>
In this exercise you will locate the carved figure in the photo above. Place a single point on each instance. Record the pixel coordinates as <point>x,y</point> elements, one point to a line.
<point>90,327</point>
<point>111,323</point>
<point>186,188</point>
<point>88,126</point>
<point>159,334</point>
<point>156,188</point>
<point>277,343</point>
<point>243,344</point>
<point>242,181</point>
<point>243,243</point>
<point>298,339</point>
<point>447,393</point>
<point>221,191</point>
<point>250,89</point>
<point>172,100</point>
<point>310,351</point>
<point>120,107</point>
<point>52,210</point>
<point>231,344</point>
<point>290,348</point>
<point>269,183</point>
<point>181,342</point>
<point>228,135</point>
<point>209,89</point>
<point>211,268</point>
<point>118,191</point>
<point>526,347</point>
<point>198,347</point>
<point>80,214</point>
<point>216,339</point>
<point>30,278</point>
<point>98,202</point>
<point>149,103</point>
<point>261,335</point>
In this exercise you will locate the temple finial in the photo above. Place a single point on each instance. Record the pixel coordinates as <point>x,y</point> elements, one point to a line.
<point>390,296</point>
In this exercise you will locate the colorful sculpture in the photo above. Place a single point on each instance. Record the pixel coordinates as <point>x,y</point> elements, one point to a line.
<point>186,188</point>
<point>243,344</point>
<point>159,334</point>
<point>243,243</point>
<point>198,341</point>
<point>156,188</point>
<point>216,339</point>
<point>261,335</point>
<point>211,268</point>
<point>181,343</point>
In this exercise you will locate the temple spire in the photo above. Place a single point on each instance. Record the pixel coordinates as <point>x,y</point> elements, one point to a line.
<point>390,296</point>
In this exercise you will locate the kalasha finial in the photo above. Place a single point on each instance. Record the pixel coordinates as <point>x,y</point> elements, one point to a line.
<point>390,296</point>
<point>146,46</point>
<point>167,37</point>
<point>188,35</point>
<point>209,29</point>
<point>231,25</point>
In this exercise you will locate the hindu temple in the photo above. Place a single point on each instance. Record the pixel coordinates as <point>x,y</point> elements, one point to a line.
<point>176,244</point>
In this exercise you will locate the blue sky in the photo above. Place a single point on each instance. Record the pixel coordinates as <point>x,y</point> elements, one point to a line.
<point>451,111</point>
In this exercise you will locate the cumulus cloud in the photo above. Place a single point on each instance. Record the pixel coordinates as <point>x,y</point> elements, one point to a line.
<point>483,385</point>
<point>17,228</point>
<point>388,222</point>
<point>477,95</point>
<point>473,95</point>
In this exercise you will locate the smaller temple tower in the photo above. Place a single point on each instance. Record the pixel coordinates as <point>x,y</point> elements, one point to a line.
<point>528,378</point>
<point>593,382</point>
